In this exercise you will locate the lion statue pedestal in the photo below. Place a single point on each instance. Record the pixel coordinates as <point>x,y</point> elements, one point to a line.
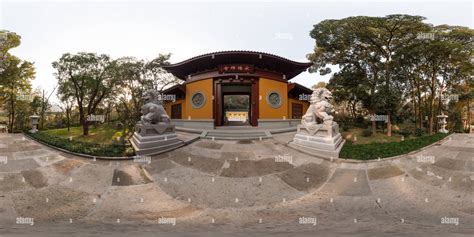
<point>154,134</point>
<point>318,134</point>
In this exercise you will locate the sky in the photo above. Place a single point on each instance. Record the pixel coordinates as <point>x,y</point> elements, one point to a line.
<point>144,29</point>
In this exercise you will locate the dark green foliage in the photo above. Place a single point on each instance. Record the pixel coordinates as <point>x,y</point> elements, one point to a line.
<point>389,149</point>
<point>419,132</point>
<point>87,148</point>
<point>404,132</point>
<point>367,132</point>
<point>359,120</point>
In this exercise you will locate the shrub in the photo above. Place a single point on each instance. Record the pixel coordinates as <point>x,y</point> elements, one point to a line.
<point>345,128</point>
<point>389,149</point>
<point>419,132</point>
<point>404,132</point>
<point>359,119</point>
<point>87,148</point>
<point>367,132</point>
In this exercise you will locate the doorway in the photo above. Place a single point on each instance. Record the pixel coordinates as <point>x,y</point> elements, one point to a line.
<point>236,102</point>
<point>236,109</point>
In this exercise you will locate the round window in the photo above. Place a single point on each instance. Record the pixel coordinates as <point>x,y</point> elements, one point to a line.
<point>274,99</point>
<point>198,100</point>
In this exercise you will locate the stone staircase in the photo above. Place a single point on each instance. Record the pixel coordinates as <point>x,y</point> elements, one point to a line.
<point>236,135</point>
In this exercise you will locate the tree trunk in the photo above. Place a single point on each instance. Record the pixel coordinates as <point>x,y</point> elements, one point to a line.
<point>83,120</point>
<point>68,118</point>
<point>12,109</point>
<point>420,111</point>
<point>431,104</point>
<point>85,128</point>
<point>431,114</point>
<point>389,126</point>
<point>415,108</point>
<point>374,125</point>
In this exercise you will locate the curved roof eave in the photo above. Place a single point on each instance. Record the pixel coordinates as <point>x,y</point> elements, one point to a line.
<point>203,62</point>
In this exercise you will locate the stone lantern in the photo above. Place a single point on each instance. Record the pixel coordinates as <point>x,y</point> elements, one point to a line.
<point>442,123</point>
<point>34,123</point>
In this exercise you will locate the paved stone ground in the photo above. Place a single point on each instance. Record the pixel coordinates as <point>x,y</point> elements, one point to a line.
<point>255,188</point>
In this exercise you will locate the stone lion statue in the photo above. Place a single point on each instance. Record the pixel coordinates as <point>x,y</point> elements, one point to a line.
<point>153,111</point>
<point>320,109</point>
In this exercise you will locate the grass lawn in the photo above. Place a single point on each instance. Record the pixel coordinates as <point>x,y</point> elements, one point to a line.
<point>387,149</point>
<point>379,137</point>
<point>103,134</point>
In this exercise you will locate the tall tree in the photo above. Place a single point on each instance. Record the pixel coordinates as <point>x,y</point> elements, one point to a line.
<point>367,44</point>
<point>15,77</point>
<point>442,61</point>
<point>88,77</point>
<point>134,77</point>
<point>67,105</point>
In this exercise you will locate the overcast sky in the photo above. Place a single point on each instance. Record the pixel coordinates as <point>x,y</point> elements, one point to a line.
<point>144,29</point>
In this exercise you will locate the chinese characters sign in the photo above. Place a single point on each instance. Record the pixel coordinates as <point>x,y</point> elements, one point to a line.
<point>236,68</point>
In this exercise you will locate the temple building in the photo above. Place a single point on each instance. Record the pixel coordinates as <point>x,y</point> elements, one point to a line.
<point>258,83</point>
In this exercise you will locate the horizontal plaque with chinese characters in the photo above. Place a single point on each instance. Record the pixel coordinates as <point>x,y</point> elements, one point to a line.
<point>236,68</point>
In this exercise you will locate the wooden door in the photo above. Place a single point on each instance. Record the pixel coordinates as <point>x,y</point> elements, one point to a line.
<point>176,111</point>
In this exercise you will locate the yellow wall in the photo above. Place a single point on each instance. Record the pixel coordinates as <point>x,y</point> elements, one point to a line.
<point>266,111</point>
<point>205,112</point>
<point>168,105</point>
<point>291,101</point>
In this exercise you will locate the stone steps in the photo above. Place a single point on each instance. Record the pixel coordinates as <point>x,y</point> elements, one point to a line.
<point>237,135</point>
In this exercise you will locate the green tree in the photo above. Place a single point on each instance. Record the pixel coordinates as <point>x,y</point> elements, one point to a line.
<point>89,78</point>
<point>15,78</point>
<point>439,63</point>
<point>133,77</point>
<point>367,44</point>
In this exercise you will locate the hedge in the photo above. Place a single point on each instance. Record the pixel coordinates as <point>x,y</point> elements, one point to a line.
<point>388,149</point>
<point>87,148</point>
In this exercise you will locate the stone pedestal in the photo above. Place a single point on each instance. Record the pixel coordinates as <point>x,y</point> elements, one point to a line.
<point>319,140</point>
<point>34,123</point>
<point>151,139</point>
<point>442,123</point>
